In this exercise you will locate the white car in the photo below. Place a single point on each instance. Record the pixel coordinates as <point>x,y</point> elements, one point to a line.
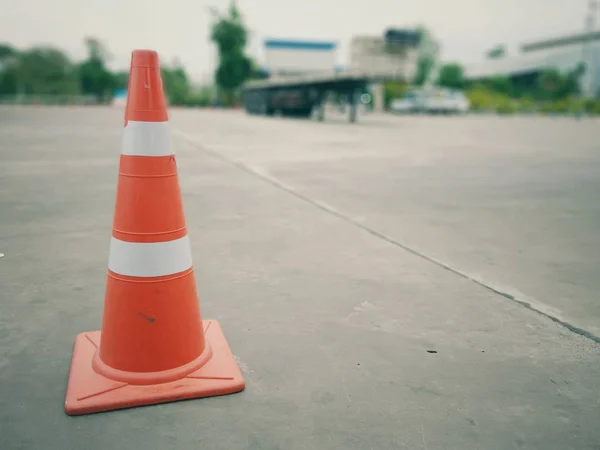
<point>446,101</point>
<point>438,101</point>
<point>411,102</point>
<point>456,102</point>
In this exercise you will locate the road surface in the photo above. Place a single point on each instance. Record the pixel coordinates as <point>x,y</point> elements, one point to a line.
<point>401,283</point>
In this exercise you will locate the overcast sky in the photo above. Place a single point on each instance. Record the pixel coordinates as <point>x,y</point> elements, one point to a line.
<point>179,28</point>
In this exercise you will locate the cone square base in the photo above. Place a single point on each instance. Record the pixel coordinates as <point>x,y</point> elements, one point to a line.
<point>89,392</point>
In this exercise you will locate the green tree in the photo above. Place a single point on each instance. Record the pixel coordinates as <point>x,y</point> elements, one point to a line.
<point>121,79</point>
<point>233,70</point>
<point>7,53</point>
<point>9,60</point>
<point>46,71</point>
<point>501,84</point>
<point>95,78</point>
<point>230,36</point>
<point>571,85</point>
<point>451,76</point>
<point>554,85</point>
<point>427,58</point>
<point>393,90</point>
<point>549,84</point>
<point>176,84</point>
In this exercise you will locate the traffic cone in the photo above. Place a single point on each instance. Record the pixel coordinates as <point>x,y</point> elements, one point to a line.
<point>154,346</point>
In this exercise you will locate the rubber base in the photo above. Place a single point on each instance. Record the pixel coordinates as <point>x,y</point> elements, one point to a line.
<point>89,392</point>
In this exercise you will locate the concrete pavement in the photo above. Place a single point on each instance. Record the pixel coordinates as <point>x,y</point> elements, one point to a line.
<point>509,202</point>
<point>346,340</point>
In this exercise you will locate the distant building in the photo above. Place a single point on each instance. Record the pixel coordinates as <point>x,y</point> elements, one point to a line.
<point>395,52</point>
<point>391,56</point>
<point>564,53</point>
<point>295,57</point>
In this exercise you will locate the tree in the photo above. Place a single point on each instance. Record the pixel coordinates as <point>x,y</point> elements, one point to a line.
<point>572,81</point>
<point>554,85</point>
<point>121,79</point>
<point>95,78</point>
<point>7,53</point>
<point>176,84</point>
<point>233,70</point>
<point>427,58</point>
<point>46,71</point>
<point>451,76</point>
<point>230,36</point>
<point>497,52</point>
<point>9,59</point>
<point>393,90</point>
<point>96,49</point>
<point>501,84</point>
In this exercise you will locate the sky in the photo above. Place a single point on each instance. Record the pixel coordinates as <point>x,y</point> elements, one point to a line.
<point>179,29</point>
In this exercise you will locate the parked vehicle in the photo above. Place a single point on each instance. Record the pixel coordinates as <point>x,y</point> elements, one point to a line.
<point>412,102</point>
<point>436,101</point>
<point>303,73</point>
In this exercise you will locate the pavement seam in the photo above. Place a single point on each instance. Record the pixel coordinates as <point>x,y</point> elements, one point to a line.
<point>331,210</point>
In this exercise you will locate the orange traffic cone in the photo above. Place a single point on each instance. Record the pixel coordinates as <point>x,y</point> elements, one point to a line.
<point>154,346</point>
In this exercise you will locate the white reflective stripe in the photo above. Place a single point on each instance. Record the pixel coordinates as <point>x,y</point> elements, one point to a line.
<point>149,259</point>
<point>147,139</point>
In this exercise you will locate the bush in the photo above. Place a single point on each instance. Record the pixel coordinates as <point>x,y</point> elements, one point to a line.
<point>526,105</point>
<point>573,106</point>
<point>576,106</point>
<point>592,107</point>
<point>547,108</point>
<point>200,98</point>
<point>480,99</point>
<point>505,105</point>
<point>196,100</point>
<point>393,90</point>
<point>559,106</point>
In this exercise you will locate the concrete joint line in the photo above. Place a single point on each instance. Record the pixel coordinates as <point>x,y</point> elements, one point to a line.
<point>331,210</point>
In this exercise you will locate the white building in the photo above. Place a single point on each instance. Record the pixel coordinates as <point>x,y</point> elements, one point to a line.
<point>394,55</point>
<point>385,55</point>
<point>563,53</point>
<point>293,57</point>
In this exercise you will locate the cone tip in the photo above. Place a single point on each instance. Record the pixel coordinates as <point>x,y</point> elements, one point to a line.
<point>145,58</point>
